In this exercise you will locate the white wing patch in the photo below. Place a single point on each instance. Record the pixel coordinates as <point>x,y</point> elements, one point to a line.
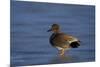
<point>73,40</point>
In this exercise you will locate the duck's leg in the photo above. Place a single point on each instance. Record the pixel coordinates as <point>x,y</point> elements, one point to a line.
<point>61,52</point>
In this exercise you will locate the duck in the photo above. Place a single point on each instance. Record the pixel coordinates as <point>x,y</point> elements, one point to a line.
<point>62,41</point>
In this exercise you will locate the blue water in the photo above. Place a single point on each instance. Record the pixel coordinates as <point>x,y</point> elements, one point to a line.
<point>30,39</point>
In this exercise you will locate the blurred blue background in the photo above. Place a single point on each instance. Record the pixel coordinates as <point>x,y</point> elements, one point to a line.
<point>30,41</point>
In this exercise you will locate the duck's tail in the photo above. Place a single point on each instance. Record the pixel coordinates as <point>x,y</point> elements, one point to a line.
<point>75,44</point>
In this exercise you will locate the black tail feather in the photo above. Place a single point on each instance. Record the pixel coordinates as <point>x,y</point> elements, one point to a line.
<point>75,44</point>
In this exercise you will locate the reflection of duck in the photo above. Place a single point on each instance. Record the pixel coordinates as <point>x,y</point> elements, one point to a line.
<point>61,40</point>
<point>64,59</point>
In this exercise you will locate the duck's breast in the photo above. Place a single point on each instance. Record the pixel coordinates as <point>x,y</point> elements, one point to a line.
<point>58,40</point>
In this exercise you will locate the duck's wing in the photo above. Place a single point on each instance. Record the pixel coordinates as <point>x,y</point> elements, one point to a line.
<point>70,38</point>
<point>63,40</point>
<point>73,41</point>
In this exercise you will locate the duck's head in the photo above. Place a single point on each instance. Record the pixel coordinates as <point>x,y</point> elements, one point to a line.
<point>54,28</point>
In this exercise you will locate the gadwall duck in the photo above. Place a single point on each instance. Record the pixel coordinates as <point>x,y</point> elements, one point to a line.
<point>61,40</point>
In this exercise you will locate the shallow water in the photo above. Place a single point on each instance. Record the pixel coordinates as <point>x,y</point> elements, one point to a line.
<point>30,39</point>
